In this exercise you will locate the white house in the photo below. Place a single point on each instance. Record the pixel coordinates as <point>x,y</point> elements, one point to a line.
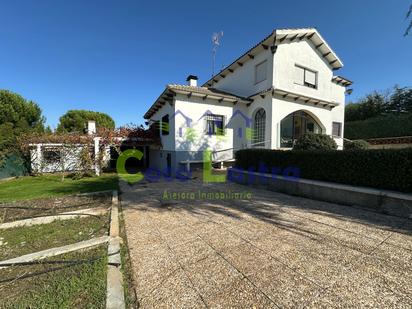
<point>279,89</point>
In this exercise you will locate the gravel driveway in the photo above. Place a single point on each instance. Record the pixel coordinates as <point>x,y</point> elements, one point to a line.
<point>261,249</point>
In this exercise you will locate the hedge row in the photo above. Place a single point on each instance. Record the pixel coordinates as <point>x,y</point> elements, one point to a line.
<point>384,169</point>
<point>387,126</point>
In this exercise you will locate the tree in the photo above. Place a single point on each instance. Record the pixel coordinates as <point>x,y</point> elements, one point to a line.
<point>76,121</point>
<point>400,101</point>
<point>370,106</point>
<point>395,101</point>
<point>17,116</point>
<point>409,16</point>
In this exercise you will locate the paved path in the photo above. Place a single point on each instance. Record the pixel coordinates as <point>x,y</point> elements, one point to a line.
<point>271,250</point>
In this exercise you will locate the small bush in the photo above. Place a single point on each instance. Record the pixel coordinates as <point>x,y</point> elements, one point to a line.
<point>389,169</point>
<point>358,144</point>
<point>311,141</point>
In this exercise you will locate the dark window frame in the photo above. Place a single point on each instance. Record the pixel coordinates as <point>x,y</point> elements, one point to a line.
<point>51,156</point>
<point>259,128</point>
<point>165,129</point>
<point>304,82</point>
<point>264,62</point>
<point>339,128</point>
<point>213,126</point>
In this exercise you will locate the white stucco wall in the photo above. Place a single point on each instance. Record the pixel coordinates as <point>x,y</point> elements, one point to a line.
<point>304,54</point>
<point>168,141</point>
<point>324,116</point>
<point>266,104</point>
<point>195,108</point>
<point>242,81</point>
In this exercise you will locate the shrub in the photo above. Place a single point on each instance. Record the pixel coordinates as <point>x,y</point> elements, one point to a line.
<point>358,144</point>
<point>381,168</point>
<point>311,141</point>
<point>385,126</point>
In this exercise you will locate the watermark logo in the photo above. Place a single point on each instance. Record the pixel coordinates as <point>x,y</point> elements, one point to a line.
<point>121,165</point>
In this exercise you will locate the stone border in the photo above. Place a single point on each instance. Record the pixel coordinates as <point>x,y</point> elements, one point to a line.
<point>57,251</point>
<point>91,193</point>
<point>387,202</point>
<point>49,219</point>
<point>115,291</point>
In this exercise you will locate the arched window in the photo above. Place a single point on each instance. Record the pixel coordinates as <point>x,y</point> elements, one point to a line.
<point>295,125</point>
<point>259,126</point>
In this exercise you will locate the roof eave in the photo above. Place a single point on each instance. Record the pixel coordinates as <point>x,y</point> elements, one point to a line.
<point>278,37</point>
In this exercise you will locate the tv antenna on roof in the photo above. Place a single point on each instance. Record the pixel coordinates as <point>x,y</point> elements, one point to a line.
<point>216,37</point>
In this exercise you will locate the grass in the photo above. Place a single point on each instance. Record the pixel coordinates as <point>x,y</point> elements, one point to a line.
<point>76,286</point>
<point>128,280</point>
<point>23,240</point>
<point>47,186</point>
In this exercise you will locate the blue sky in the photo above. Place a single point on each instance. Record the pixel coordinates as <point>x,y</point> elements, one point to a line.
<point>117,56</point>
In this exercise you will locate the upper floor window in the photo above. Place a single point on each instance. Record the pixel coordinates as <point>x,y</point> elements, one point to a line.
<point>165,125</point>
<point>260,72</point>
<point>337,129</point>
<point>215,124</point>
<point>306,77</point>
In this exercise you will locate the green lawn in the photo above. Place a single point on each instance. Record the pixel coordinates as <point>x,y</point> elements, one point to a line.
<point>23,240</point>
<point>34,187</point>
<point>57,286</point>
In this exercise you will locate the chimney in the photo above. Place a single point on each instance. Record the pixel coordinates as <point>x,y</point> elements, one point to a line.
<point>91,127</point>
<point>192,80</point>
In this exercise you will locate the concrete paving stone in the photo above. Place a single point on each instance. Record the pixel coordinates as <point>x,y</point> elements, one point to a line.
<point>146,238</point>
<point>367,230</point>
<point>319,268</point>
<point>244,231</point>
<point>175,292</point>
<point>352,240</point>
<point>166,229</point>
<point>211,274</point>
<point>298,252</point>
<point>203,227</point>
<point>394,265</point>
<point>402,238</point>
<point>317,228</point>
<point>283,286</point>
<point>192,251</point>
<point>394,255</point>
<point>191,219</point>
<point>178,236</point>
<point>284,252</point>
<point>220,239</point>
<point>325,299</point>
<point>365,288</point>
<point>246,258</point>
<point>304,232</point>
<point>241,294</point>
<point>153,269</point>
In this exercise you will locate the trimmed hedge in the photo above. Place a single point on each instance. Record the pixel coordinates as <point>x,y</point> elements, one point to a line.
<point>312,141</point>
<point>389,169</point>
<point>355,145</point>
<point>387,126</point>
